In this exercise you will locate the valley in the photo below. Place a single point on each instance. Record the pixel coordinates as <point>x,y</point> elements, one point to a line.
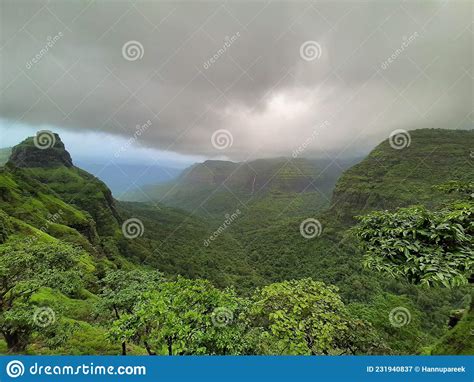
<point>48,202</point>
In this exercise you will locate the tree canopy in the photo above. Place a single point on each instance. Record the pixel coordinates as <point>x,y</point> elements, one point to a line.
<point>425,247</point>
<point>24,269</point>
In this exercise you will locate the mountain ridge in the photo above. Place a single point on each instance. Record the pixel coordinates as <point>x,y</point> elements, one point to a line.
<point>219,187</point>
<point>263,244</point>
<point>389,178</point>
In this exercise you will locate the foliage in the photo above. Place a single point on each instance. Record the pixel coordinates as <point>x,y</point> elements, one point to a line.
<point>453,186</point>
<point>306,317</point>
<point>177,318</point>
<point>24,269</point>
<point>263,246</point>
<point>458,340</point>
<point>425,247</point>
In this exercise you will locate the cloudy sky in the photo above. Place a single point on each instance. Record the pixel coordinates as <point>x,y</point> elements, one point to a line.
<point>234,80</point>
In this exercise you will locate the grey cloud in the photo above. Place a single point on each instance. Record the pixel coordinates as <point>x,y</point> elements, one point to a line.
<point>259,88</point>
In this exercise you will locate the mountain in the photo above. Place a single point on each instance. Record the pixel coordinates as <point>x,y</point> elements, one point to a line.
<point>36,184</point>
<point>246,229</point>
<point>217,187</point>
<point>54,168</point>
<point>120,177</point>
<point>387,179</point>
<point>390,178</point>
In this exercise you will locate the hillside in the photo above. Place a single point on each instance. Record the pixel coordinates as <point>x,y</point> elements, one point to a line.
<point>389,178</point>
<point>245,235</point>
<point>46,200</point>
<point>386,179</point>
<point>217,187</point>
<point>36,184</point>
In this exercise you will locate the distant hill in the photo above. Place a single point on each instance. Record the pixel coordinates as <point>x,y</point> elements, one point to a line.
<point>218,187</point>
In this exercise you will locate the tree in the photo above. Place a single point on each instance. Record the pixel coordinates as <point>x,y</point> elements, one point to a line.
<point>183,317</point>
<point>24,269</point>
<point>301,317</point>
<point>121,290</point>
<point>428,248</point>
<point>425,247</point>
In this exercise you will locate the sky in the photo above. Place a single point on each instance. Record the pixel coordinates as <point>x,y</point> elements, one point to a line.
<point>232,80</point>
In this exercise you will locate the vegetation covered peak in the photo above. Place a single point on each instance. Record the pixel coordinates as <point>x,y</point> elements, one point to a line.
<point>405,170</point>
<point>46,150</point>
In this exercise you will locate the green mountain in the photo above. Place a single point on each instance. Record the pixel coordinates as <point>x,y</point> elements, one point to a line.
<point>391,178</point>
<point>216,187</point>
<point>276,196</point>
<point>245,232</point>
<point>38,183</point>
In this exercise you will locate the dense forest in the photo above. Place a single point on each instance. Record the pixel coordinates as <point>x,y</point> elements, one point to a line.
<point>276,256</point>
